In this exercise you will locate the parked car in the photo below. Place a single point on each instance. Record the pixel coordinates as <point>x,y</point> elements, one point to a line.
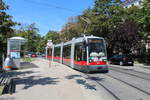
<point>43,55</point>
<point>29,54</point>
<point>33,55</point>
<point>121,60</point>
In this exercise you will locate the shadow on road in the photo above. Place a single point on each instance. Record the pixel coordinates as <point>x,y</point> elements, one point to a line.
<point>86,84</point>
<point>19,73</point>
<point>35,80</point>
<point>95,78</point>
<point>72,76</point>
<point>26,65</point>
<point>79,79</point>
<point>29,78</point>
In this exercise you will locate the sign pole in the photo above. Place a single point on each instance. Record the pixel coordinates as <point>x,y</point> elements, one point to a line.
<point>49,46</point>
<point>46,53</point>
<point>49,57</point>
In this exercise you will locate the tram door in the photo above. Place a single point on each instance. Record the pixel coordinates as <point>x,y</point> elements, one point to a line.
<point>57,54</point>
<point>72,54</point>
<point>67,54</point>
<point>80,55</point>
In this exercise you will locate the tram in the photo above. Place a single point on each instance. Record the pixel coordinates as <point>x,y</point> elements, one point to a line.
<point>87,54</point>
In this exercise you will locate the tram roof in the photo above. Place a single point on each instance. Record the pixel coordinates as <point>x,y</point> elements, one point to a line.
<point>85,37</point>
<point>79,39</point>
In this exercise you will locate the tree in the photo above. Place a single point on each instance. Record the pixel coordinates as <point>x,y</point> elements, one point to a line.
<point>125,38</point>
<point>6,25</point>
<point>116,24</point>
<point>41,45</point>
<point>54,36</point>
<point>104,16</point>
<point>30,32</point>
<point>71,30</point>
<point>143,18</point>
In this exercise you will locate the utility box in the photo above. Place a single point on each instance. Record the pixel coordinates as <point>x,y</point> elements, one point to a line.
<point>14,48</point>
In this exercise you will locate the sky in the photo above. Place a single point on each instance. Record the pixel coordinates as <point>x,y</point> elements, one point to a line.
<point>47,14</point>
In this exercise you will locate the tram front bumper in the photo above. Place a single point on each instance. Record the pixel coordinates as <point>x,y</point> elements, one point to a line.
<point>97,68</point>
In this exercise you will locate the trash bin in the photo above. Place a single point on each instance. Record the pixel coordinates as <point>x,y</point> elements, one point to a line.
<point>8,64</point>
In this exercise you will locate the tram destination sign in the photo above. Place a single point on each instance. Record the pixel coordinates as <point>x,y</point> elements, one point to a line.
<point>95,41</point>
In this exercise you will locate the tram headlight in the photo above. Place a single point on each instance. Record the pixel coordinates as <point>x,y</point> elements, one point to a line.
<point>90,60</point>
<point>104,60</point>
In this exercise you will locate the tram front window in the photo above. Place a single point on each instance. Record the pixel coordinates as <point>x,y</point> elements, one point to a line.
<point>97,50</point>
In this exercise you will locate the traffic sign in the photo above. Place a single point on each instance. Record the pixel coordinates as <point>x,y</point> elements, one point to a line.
<point>49,44</point>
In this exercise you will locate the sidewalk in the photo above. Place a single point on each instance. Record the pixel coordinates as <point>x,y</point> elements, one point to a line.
<point>58,82</point>
<point>142,65</point>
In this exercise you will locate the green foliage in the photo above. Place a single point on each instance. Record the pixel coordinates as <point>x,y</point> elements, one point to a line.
<point>125,38</point>
<point>41,45</point>
<point>54,36</point>
<point>104,16</point>
<point>115,24</point>
<point>71,30</point>
<point>6,25</point>
<point>30,32</point>
<point>27,59</point>
<point>123,28</point>
<point>144,18</point>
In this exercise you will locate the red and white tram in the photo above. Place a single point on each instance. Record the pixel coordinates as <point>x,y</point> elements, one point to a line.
<point>86,54</point>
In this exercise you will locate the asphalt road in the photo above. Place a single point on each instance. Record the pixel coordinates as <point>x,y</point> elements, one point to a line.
<point>125,83</point>
<point>39,81</point>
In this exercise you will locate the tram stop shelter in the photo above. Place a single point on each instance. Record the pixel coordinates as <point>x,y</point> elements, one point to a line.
<point>14,49</point>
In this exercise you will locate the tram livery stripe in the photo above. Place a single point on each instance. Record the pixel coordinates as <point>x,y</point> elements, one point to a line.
<point>91,63</point>
<point>82,63</point>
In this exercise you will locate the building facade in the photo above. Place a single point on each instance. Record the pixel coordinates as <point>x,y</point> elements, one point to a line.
<point>129,3</point>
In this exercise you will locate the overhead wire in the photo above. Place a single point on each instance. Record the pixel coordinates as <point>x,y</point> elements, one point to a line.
<point>52,6</point>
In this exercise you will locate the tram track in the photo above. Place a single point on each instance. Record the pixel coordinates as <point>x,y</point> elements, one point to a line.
<point>141,72</point>
<point>107,89</point>
<point>119,89</point>
<point>132,70</point>
<point>132,84</point>
<point>133,73</point>
<point>136,87</point>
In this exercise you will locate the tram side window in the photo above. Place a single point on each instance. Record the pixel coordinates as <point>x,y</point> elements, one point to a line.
<point>80,52</point>
<point>57,51</point>
<point>67,51</point>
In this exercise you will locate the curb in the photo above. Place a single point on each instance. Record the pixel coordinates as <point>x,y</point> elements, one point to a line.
<point>142,65</point>
<point>132,67</point>
<point>123,67</point>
